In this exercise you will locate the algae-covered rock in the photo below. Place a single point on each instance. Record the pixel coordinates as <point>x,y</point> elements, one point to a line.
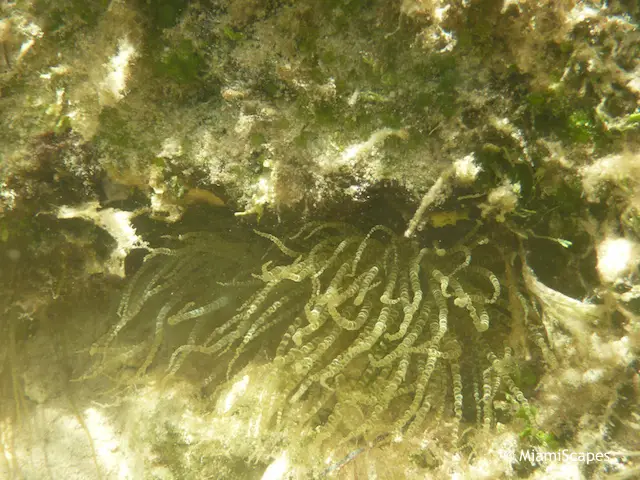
<point>319,239</point>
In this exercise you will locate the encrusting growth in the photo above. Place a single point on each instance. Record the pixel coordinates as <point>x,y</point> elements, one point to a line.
<point>367,325</point>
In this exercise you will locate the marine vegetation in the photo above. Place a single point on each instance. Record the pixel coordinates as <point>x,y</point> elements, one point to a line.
<point>378,334</point>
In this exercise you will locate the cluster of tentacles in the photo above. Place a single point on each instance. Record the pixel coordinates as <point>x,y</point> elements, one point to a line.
<point>373,331</point>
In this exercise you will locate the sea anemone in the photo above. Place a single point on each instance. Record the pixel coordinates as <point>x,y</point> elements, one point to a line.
<point>364,334</point>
